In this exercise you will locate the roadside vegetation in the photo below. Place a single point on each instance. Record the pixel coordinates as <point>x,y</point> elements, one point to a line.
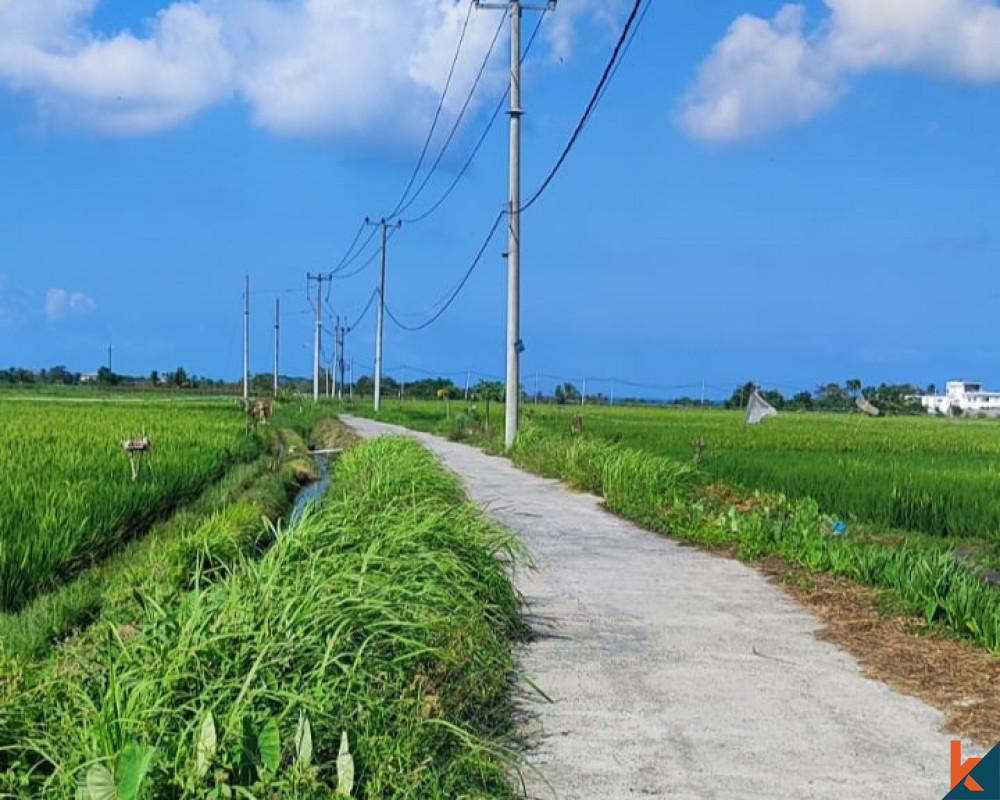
<point>363,651</point>
<point>939,574</point>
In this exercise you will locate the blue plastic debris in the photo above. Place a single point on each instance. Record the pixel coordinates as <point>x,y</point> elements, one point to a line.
<point>839,527</point>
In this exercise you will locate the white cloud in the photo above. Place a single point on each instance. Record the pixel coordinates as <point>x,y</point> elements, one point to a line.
<point>562,26</point>
<point>60,303</point>
<point>350,69</point>
<point>767,74</point>
<point>123,84</point>
<point>340,68</point>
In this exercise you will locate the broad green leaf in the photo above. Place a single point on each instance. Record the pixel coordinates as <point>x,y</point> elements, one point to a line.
<point>133,767</point>
<point>101,783</point>
<point>269,745</point>
<point>303,742</point>
<point>345,768</point>
<point>207,744</point>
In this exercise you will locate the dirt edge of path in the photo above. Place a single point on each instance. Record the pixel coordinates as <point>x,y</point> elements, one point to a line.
<point>902,651</point>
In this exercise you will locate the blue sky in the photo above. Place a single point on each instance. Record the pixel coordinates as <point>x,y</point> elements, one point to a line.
<point>784,193</point>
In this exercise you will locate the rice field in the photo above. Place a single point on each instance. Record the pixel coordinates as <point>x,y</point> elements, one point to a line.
<point>935,476</point>
<point>930,475</point>
<point>69,498</point>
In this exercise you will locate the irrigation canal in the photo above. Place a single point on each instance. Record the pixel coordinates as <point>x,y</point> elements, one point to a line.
<point>675,673</point>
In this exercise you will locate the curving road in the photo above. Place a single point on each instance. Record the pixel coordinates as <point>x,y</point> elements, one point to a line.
<point>675,673</point>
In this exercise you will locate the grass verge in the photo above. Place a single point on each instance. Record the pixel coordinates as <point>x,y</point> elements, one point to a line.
<point>366,654</point>
<point>919,574</point>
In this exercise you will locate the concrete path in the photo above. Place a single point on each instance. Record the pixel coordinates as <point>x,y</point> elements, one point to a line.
<point>680,674</point>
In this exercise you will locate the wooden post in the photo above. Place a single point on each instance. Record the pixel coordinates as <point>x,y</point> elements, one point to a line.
<point>136,447</point>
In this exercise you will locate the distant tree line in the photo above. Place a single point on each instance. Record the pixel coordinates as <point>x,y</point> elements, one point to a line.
<point>888,398</point>
<point>830,397</point>
<point>61,376</point>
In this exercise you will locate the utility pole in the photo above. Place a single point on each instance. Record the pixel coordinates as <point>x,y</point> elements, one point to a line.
<point>514,343</point>
<point>402,381</point>
<point>583,394</point>
<point>277,337</point>
<point>468,380</point>
<point>109,358</point>
<point>381,310</point>
<point>318,336</point>
<point>246,342</point>
<point>336,344</point>
<point>339,350</point>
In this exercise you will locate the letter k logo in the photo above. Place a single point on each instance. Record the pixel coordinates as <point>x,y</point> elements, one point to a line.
<point>961,769</point>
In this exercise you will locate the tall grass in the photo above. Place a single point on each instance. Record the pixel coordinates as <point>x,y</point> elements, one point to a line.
<point>670,497</point>
<point>921,474</point>
<point>385,614</point>
<point>930,475</point>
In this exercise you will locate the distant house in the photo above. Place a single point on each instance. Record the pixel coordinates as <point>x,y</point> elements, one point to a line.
<point>964,396</point>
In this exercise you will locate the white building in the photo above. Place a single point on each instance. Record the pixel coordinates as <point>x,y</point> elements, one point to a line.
<point>965,396</point>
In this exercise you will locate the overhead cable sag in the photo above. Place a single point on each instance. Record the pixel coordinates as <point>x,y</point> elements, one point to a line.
<point>595,99</point>
<point>478,146</point>
<point>450,298</point>
<point>437,114</point>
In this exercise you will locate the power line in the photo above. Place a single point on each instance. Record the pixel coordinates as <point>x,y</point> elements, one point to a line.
<point>346,262</point>
<point>368,262</point>
<point>628,46</point>
<point>454,128</point>
<point>437,114</point>
<point>591,106</point>
<point>350,249</point>
<point>457,290</point>
<point>479,144</point>
<point>364,313</point>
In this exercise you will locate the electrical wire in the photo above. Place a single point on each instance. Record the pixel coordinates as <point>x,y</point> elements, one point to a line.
<point>362,315</point>
<point>437,113</point>
<point>628,46</point>
<point>591,106</point>
<point>482,138</point>
<point>465,167</point>
<point>346,262</point>
<point>450,298</point>
<point>457,123</point>
<point>369,261</point>
<point>350,249</point>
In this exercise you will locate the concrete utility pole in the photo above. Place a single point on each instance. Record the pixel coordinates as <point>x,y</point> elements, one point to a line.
<point>318,336</point>
<point>333,363</point>
<point>277,337</point>
<point>341,335</point>
<point>246,341</point>
<point>381,310</point>
<point>514,343</point>
<point>583,394</point>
